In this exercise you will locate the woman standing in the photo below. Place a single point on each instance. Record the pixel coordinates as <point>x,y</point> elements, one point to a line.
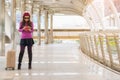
<point>26,28</point>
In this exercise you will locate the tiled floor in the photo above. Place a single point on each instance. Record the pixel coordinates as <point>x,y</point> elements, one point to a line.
<point>58,62</point>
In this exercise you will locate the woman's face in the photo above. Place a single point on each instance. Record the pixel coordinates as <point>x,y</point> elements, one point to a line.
<point>26,18</point>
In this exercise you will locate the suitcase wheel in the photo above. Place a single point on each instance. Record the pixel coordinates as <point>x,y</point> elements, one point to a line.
<point>9,68</point>
<point>5,68</point>
<point>13,68</point>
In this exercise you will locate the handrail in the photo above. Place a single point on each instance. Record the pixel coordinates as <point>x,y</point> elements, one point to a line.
<point>103,46</point>
<point>62,33</point>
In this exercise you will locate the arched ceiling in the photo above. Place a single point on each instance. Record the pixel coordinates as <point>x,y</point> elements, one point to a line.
<point>59,6</point>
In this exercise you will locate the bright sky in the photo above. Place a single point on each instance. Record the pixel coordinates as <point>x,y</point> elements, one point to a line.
<point>68,21</point>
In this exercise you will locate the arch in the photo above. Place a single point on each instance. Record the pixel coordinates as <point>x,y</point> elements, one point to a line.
<point>90,21</point>
<point>97,13</point>
<point>115,12</point>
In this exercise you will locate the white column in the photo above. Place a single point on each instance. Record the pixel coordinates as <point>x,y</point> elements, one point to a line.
<point>31,12</point>
<point>2,27</point>
<point>46,26</point>
<point>39,27</point>
<point>22,6</point>
<point>51,28</point>
<point>13,28</point>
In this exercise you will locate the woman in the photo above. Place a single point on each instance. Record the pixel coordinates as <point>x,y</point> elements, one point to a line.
<point>26,28</point>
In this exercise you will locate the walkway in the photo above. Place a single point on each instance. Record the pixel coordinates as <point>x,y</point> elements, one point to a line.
<point>62,61</point>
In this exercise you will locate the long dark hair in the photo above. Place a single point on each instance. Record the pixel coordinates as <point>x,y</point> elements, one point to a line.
<point>23,23</point>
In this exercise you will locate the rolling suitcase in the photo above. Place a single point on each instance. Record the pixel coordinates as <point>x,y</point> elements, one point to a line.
<point>10,62</point>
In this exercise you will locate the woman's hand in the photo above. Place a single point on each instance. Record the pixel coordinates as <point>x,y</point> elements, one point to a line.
<point>27,28</point>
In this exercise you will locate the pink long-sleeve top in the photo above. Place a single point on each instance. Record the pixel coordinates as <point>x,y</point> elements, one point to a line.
<point>26,34</point>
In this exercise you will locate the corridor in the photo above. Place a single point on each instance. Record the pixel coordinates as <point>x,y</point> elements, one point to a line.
<point>58,61</point>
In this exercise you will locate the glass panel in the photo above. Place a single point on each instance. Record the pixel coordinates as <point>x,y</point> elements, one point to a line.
<point>117,4</point>
<point>107,8</point>
<point>113,49</point>
<point>105,49</point>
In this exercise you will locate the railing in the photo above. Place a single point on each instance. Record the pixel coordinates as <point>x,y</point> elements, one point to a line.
<point>62,33</point>
<point>103,46</point>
